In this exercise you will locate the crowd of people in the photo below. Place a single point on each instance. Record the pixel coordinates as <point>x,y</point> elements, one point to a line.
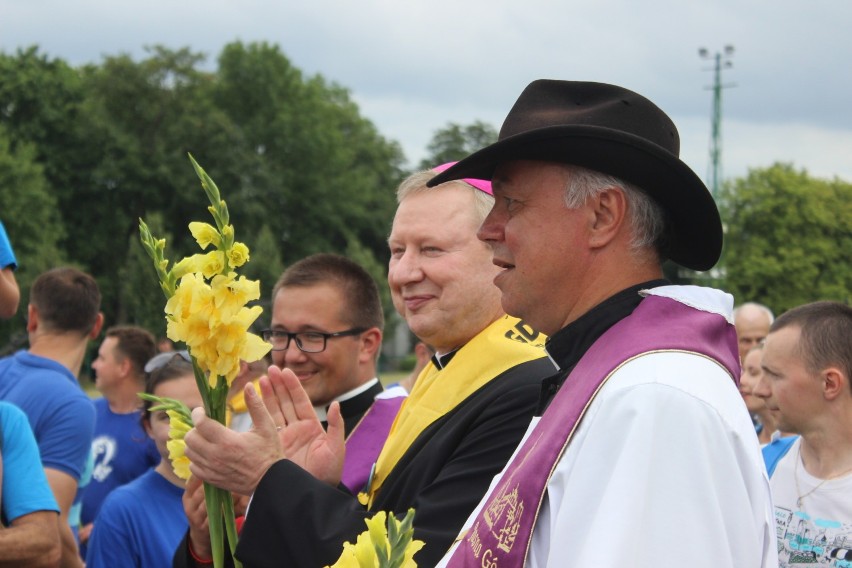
<point>571,407</point>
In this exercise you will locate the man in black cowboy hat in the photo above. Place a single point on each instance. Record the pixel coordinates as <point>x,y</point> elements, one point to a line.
<point>645,454</point>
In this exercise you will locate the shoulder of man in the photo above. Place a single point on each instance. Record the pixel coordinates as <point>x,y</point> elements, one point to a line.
<point>774,451</point>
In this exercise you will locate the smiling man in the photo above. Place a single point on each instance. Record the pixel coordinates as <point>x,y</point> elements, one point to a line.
<point>327,328</point>
<point>467,411</point>
<point>645,454</point>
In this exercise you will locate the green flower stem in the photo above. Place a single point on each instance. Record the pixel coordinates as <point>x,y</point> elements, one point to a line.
<point>220,504</point>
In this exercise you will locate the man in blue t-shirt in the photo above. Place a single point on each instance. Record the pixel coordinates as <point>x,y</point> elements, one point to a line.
<point>29,510</point>
<point>121,449</point>
<point>63,315</point>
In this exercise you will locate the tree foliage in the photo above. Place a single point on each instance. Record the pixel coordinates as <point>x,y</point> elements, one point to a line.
<point>789,238</point>
<point>100,146</point>
<point>454,142</point>
<point>32,219</point>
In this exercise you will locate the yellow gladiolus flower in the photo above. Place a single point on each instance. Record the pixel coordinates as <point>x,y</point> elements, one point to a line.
<point>177,455</point>
<point>373,548</point>
<point>365,552</point>
<point>205,234</point>
<point>177,427</point>
<point>377,526</point>
<point>238,255</point>
<point>187,265</point>
<point>206,309</point>
<point>213,263</point>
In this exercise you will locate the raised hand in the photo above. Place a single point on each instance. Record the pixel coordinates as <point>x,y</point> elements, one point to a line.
<point>235,461</point>
<point>303,440</point>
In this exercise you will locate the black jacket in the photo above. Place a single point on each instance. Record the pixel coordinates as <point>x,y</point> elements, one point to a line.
<point>296,520</point>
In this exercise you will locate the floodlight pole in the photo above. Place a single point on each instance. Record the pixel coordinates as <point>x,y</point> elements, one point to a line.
<point>721,59</point>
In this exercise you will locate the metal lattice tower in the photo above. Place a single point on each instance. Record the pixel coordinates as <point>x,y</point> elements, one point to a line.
<point>720,59</point>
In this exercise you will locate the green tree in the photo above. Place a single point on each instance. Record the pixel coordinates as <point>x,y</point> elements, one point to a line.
<point>302,170</point>
<point>454,142</point>
<point>264,265</point>
<point>144,117</point>
<point>788,238</point>
<point>30,214</point>
<point>323,174</point>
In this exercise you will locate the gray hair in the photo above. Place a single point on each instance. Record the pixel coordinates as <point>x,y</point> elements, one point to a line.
<point>416,183</point>
<point>646,217</point>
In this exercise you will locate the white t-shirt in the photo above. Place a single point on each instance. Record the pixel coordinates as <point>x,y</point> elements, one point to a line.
<point>820,531</point>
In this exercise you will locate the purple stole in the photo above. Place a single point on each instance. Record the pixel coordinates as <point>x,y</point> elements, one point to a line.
<point>502,531</point>
<point>365,442</point>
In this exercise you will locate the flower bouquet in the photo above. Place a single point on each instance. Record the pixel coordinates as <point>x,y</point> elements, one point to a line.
<point>206,309</point>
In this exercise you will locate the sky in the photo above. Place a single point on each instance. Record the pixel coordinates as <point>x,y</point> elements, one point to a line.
<point>414,66</point>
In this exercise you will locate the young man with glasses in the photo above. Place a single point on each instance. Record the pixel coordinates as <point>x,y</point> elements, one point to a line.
<point>326,327</point>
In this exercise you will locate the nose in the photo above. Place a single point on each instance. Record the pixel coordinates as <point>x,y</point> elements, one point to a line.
<point>491,228</point>
<point>404,269</point>
<point>762,389</point>
<point>289,357</point>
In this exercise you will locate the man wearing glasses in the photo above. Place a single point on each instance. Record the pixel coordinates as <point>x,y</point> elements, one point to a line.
<point>326,327</point>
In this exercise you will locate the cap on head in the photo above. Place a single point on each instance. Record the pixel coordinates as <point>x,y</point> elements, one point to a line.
<point>614,131</point>
<point>480,184</point>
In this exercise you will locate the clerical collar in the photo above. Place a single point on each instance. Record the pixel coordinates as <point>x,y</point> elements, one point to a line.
<point>322,411</point>
<point>442,360</point>
<point>566,346</point>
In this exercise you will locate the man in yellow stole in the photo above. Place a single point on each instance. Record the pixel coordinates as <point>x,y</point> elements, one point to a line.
<point>466,413</point>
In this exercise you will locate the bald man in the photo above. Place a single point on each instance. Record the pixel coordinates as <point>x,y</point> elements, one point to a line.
<point>752,321</point>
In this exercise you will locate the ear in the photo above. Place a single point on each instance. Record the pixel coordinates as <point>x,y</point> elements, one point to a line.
<point>608,212</point>
<point>96,329</point>
<point>146,424</point>
<point>126,366</point>
<point>834,383</point>
<point>371,342</point>
<point>32,318</point>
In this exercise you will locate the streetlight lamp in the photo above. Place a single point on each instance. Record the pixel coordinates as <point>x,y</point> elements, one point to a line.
<point>720,60</point>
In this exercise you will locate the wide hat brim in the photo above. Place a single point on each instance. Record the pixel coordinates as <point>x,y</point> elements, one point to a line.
<point>693,235</point>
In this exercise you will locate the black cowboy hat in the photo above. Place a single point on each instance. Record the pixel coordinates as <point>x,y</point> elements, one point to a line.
<point>614,131</point>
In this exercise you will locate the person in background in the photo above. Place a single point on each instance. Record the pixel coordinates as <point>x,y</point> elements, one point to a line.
<point>238,418</point>
<point>62,317</point>
<point>807,367</point>
<point>765,419</point>
<point>141,523</point>
<point>29,531</point>
<point>10,294</point>
<point>644,454</point>
<point>165,345</point>
<point>121,449</point>
<point>422,355</point>
<point>752,321</point>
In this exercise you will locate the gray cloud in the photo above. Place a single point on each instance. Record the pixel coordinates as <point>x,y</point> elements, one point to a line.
<point>414,66</point>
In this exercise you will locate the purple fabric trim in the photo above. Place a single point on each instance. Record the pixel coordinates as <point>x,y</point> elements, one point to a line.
<point>365,442</point>
<point>502,532</point>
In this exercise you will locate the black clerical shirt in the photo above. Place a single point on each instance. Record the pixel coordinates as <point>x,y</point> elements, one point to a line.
<point>570,343</point>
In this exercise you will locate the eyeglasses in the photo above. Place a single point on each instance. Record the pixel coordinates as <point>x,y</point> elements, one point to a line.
<point>306,341</point>
<point>161,359</point>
